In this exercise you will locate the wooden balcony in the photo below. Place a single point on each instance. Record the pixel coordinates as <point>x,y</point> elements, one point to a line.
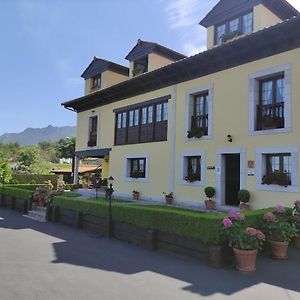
<point>92,139</point>
<point>200,122</point>
<point>270,116</point>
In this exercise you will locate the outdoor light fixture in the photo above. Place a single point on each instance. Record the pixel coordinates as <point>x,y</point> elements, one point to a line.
<point>108,196</point>
<point>229,138</point>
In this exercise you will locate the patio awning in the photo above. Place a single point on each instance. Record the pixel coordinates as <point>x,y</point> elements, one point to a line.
<point>97,153</point>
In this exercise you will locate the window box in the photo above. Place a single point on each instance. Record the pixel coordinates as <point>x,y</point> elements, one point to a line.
<point>197,133</point>
<point>278,178</point>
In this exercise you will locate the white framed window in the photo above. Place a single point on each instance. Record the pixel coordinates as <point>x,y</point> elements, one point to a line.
<point>220,32</point>
<point>248,23</point>
<point>234,25</point>
<point>192,168</point>
<point>270,101</point>
<point>277,169</point>
<point>93,131</point>
<point>136,167</point>
<point>201,114</point>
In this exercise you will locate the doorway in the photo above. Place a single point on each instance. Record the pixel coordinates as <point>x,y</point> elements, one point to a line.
<point>232,178</point>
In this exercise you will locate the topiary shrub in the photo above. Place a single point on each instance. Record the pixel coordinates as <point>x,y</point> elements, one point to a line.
<point>210,192</point>
<point>244,196</point>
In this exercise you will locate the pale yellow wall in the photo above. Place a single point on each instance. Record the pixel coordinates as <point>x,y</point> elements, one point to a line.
<point>263,18</point>
<point>230,116</point>
<point>131,65</point>
<point>108,78</point>
<point>156,61</point>
<point>210,37</point>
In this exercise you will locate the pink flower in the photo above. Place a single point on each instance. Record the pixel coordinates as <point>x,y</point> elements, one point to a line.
<point>251,231</point>
<point>279,209</point>
<point>227,223</point>
<point>269,217</point>
<point>240,217</point>
<point>297,204</point>
<point>260,235</point>
<point>232,214</point>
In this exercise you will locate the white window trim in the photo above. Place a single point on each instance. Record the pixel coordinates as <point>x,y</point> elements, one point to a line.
<point>182,168</point>
<point>127,166</point>
<point>187,123</point>
<point>260,169</point>
<point>91,115</point>
<point>253,98</point>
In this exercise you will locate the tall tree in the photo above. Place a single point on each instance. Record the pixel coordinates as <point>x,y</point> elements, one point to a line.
<point>66,147</point>
<point>28,156</point>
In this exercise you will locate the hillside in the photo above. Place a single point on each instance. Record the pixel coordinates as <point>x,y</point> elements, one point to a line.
<point>32,136</point>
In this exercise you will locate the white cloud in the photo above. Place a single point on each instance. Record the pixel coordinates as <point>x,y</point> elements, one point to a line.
<point>295,3</point>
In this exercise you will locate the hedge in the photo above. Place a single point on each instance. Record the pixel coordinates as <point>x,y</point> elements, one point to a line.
<point>19,193</point>
<point>39,179</point>
<point>28,187</point>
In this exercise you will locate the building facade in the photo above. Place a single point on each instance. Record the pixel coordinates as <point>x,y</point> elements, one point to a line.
<point>226,117</point>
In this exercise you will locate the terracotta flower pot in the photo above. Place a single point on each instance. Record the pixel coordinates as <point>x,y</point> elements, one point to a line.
<point>297,241</point>
<point>279,249</point>
<point>244,206</point>
<point>169,200</point>
<point>210,204</point>
<point>245,260</point>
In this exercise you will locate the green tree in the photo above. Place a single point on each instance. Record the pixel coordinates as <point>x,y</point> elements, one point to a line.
<point>48,151</point>
<point>28,156</point>
<point>5,170</point>
<point>66,147</point>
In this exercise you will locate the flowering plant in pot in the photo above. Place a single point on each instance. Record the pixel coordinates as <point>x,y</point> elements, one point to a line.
<point>245,241</point>
<point>244,198</point>
<point>279,232</point>
<point>295,219</point>
<point>135,195</point>
<point>210,192</point>
<point>169,198</point>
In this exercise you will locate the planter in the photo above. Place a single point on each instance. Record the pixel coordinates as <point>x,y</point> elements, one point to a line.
<point>245,260</point>
<point>136,196</point>
<point>34,205</point>
<point>297,241</point>
<point>245,206</point>
<point>210,204</point>
<point>169,200</point>
<point>279,249</point>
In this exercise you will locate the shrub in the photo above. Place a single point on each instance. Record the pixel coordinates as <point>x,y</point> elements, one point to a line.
<point>210,192</point>
<point>39,179</point>
<point>244,196</point>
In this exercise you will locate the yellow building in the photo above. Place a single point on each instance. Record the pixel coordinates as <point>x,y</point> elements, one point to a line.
<point>226,117</point>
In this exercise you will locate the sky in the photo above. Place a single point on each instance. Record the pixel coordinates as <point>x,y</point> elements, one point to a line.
<point>46,45</point>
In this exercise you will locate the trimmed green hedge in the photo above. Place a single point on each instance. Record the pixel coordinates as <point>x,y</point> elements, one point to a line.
<point>39,179</point>
<point>17,192</point>
<point>28,187</point>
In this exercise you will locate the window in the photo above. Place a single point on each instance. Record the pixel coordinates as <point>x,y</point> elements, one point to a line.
<point>193,172</point>
<point>248,23</point>
<point>96,82</point>
<point>93,125</point>
<point>140,127</point>
<point>138,167</point>
<point>192,168</point>
<point>140,66</point>
<point>270,110</point>
<point>220,33</point>
<point>234,25</point>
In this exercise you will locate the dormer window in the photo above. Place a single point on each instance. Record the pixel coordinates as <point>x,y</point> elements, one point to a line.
<point>96,82</point>
<point>233,28</point>
<point>140,66</point>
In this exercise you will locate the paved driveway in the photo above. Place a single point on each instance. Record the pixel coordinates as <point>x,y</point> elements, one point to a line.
<point>51,261</point>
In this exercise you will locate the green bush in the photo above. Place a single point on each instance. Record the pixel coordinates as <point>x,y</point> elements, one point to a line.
<point>210,192</point>
<point>28,187</point>
<point>244,196</point>
<point>17,192</point>
<point>37,178</point>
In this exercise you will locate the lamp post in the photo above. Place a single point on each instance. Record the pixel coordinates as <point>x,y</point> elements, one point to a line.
<point>97,179</point>
<point>108,196</point>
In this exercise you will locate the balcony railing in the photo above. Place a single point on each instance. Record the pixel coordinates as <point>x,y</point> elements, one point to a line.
<point>92,139</point>
<point>200,122</point>
<point>270,116</point>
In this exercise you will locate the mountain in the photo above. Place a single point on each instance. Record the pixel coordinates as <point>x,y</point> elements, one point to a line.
<point>32,136</point>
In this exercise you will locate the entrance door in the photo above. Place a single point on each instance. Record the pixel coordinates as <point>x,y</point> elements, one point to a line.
<point>232,179</point>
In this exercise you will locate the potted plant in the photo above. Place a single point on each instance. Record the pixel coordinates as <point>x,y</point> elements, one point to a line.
<point>169,198</point>
<point>195,133</point>
<point>135,195</point>
<point>279,232</point>
<point>210,192</point>
<point>245,241</point>
<point>192,177</point>
<point>244,198</point>
<point>296,221</point>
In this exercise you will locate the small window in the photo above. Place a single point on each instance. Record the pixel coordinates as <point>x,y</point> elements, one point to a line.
<point>138,167</point>
<point>119,121</point>
<point>124,120</point>
<point>96,82</point>
<point>158,112</point>
<point>165,111</point>
<point>221,30</point>
<point>248,23</point>
<point>278,169</point>
<point>144,116</point>
<point>136,117</point>
<point>199,118</point>
<point>234,25</point>
<point>131,118</point>
<point>193,171</point>
<point>93,126</point>
<point>150,114</point>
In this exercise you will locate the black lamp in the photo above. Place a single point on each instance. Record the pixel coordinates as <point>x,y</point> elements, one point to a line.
<point>229,138</point>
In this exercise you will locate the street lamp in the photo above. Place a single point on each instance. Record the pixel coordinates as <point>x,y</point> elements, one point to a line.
<point>108,196</point>
<point>97,180</point>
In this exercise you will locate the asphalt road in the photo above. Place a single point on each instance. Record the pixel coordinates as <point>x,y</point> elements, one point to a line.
<point>52,261</point>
